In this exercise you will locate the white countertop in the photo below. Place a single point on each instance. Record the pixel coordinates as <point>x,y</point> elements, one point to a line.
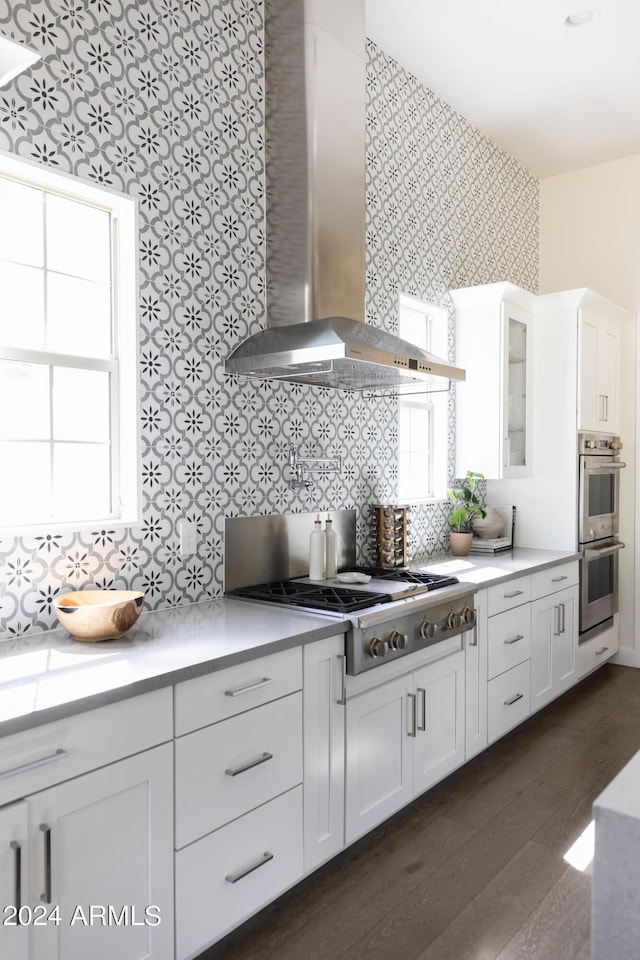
<point>496,568</point>
<point>48,676</point>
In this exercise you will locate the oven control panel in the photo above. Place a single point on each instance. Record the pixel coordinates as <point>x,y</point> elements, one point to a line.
<point>408,633</point>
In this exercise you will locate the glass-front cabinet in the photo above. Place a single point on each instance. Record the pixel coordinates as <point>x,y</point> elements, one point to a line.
<point>493,405</point>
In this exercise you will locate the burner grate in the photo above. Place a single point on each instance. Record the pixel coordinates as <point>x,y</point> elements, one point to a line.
<point>291,593</point>
<point>431,580</point>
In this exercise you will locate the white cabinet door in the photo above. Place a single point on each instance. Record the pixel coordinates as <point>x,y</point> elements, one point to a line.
<point>438,747</point>
<point>475,679</point>
<point>13,881</point>
<point>553,645</point>
<point>101,852</point>
<point>494,404</point>
<point>599,346</point>
<point>323,716</point>
<point>379,755</point>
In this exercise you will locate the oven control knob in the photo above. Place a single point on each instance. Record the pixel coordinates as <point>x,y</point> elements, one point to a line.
<point>377,647</point>
<point>428,630</point>
<point>452,620</point>
<point>397,640</point>
<point>467,616</point>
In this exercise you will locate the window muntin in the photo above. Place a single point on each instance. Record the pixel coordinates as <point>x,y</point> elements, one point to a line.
<point>422,417</point>
<point>67,271</point>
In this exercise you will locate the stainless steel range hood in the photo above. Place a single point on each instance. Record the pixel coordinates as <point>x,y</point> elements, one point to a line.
<point>315,169</point>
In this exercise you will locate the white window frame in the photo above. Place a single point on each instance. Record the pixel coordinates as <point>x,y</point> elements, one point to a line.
<point>126,479</point>
<point>432,337</point>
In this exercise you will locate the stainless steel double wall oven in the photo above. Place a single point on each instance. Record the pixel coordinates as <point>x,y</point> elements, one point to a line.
<point>598,527</point>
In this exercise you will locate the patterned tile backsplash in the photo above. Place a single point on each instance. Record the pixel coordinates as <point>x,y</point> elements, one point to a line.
<point>164,100</point>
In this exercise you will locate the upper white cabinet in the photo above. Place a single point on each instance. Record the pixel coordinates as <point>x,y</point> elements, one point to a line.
<point>599,358</point>
<point>493,406</point>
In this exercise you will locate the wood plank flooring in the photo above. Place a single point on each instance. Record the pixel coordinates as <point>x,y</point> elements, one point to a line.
<point>473,869</point>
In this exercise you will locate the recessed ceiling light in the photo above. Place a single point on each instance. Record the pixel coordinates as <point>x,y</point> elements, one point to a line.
<point>580,18</point>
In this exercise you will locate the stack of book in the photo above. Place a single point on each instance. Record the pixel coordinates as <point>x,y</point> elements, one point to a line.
<point>497,544</point>
<point>490,545</point>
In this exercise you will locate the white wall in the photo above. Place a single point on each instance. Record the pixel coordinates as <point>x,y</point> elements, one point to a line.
<point>590,237</point>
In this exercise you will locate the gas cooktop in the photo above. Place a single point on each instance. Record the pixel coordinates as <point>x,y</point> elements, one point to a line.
<point>344,599</point>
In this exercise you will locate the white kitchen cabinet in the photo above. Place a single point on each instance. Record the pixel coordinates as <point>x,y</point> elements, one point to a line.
<point>509,651</point>
<point>102,842</point>
<point>593,653</point>
<point>402,737</point>
<point>509,700</point>
<point>14,944</point>
<point>439,744</point>
<point>475,672</point>
<point>599,362</point>
<point>554,626</point>
<point>230,874</point>
<point>494,325</point>
<point>324,726</point>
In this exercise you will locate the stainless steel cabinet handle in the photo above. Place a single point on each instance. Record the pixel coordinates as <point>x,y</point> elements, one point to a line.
<point>473,639</point>
<point>412,699</point>
<point>423,702</point>
<point>234,771</point>
<point>518,636</point>
<point>558,629</point>
<point>513,699</point>
<point>46,832</point>
<point>343,674</point>
<point>17,861</point>
<point>16,771</point>
<point>260,862</point>
<point>558,579</point>
<point>514,593</point>
<point>563,616</point>
<point>601,651</point>
<point>238,691</point>
<point>601,399</point>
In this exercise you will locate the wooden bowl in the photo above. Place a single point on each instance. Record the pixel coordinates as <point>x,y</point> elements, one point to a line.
<point>99,614</point>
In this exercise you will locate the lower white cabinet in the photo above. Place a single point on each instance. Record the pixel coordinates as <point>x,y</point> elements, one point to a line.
<point>227,876</point>
<point>593,653</point>
<point>554,630</point>
<point>101,863</point>
<point>402,737</point>
<point>475,674</point>
<point>14,943</point>
<point>509,700</point>
<point>323,723</point>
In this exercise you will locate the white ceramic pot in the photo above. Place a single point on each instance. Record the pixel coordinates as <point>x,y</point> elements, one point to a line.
<point>490,526</point>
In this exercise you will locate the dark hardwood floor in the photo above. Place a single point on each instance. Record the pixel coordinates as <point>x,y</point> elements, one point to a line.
<point>473,869</point>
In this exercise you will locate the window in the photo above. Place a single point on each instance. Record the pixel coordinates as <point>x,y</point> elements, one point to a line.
<point>68,428</point>
<point>422,426</point>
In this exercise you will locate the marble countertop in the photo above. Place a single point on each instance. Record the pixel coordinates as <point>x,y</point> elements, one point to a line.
<point>48,676</point>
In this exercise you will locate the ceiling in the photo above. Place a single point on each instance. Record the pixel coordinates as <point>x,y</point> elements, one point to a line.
<point>556,98</point>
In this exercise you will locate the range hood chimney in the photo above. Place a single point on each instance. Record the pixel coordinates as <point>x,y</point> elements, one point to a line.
<point>315,169</point>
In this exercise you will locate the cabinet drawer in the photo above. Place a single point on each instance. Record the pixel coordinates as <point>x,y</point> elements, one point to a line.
<point>509,700</point>
<point>225,693</point>
<point>231,767</point>
<point>555,578</point>
<point>54,752</point>
<point>509,639</point>
<point>225,877</point>
<point>597,651</point>
<point>505,596</point>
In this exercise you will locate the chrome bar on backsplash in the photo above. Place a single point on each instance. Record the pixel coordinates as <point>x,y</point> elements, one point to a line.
<point>261,549</point>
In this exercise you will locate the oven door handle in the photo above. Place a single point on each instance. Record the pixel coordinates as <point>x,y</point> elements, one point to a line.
<point>591,553</point>
<point>616,465</point>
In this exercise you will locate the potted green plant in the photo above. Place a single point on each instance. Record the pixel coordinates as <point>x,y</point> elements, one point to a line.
<point>467,506</point>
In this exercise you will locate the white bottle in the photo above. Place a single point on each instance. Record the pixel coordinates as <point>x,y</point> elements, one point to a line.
<point>331,550</point>
<point>316,552</point>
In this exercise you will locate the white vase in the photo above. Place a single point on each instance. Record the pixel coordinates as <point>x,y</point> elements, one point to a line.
<point>490,526</point>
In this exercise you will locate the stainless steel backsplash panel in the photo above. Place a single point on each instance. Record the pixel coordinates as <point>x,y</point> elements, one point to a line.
<point>261,549</point>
